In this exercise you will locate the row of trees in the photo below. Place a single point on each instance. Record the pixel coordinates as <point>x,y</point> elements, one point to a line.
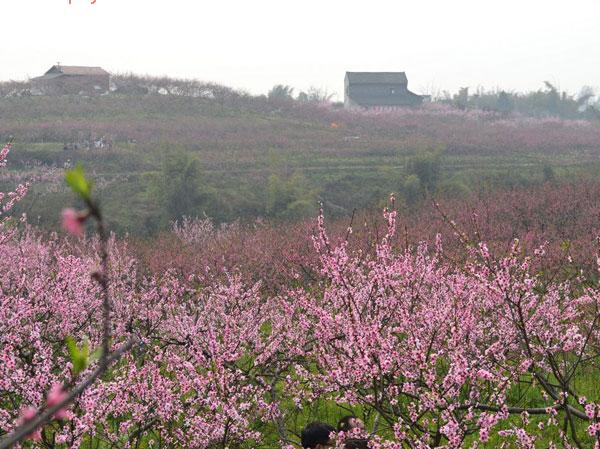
<point>181,189</point>
<point>281,92</point>
<point>484,352</point>
<point>548,101</point>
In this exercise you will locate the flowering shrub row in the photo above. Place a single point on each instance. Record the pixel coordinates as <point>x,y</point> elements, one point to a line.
<point>564,217</point>
<point>438,351</point>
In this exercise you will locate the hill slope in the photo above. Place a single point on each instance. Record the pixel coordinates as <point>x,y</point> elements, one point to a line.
<point>232,156</point>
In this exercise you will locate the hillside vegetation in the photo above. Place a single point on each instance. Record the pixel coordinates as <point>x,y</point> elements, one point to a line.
<point>185,149</point>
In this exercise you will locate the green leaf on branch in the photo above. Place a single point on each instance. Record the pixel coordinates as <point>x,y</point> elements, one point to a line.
<point>79,356</point>
<point>78,182</point>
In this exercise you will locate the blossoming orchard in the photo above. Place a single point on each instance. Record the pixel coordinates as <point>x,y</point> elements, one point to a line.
<point>468,348</point>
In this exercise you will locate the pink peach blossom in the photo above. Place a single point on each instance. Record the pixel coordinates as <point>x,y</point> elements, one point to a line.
<point>71,222</point>
<point>55,396</point>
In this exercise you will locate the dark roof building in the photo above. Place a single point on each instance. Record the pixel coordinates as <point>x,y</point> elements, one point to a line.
<point>65,80</point>
<point>378,89</point>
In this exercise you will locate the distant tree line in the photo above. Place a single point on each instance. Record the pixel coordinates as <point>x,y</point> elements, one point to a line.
<point>281,92</point>
<point>546,101</point>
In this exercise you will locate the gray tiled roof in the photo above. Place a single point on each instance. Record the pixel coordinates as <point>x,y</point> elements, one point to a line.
<point>48,76</point>
<point>76,70</point>
<point>376,77</point>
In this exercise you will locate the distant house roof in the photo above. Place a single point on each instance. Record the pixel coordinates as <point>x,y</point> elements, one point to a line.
<point>56,71</point>
<point>377,77</point>
<point>48,76</point>
<point>76,70</point>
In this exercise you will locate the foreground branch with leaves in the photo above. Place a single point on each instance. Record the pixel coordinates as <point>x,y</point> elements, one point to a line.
<point>61,397</point>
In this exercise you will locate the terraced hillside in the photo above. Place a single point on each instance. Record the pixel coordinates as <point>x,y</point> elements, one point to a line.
<point>236,156</point>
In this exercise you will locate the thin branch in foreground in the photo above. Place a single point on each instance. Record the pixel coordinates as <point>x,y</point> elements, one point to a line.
<point>82,186</point>
<point>26,429</point>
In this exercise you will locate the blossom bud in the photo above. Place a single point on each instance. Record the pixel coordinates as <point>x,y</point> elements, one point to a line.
<point>72,221</point>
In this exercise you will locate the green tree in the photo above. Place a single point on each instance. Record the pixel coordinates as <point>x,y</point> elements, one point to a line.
<point>413,191</point>
<point>281,92</point>
<point>504,103</point>
<point>179,187</point>
<point>291,199</point>
<point>427,167</point>
<point>548,173</point>
<point>461,100</point>
<point>315,95</point>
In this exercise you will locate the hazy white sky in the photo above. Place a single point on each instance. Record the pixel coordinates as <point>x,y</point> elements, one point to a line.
<point>252,45</point>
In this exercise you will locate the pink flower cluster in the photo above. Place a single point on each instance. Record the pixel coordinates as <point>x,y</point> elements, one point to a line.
<point>8,199</point>
<point>431,345</point>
